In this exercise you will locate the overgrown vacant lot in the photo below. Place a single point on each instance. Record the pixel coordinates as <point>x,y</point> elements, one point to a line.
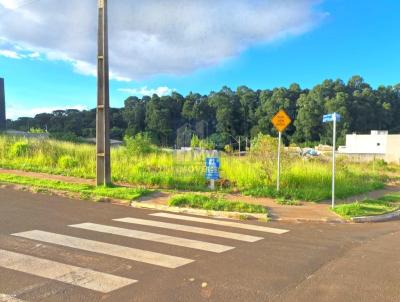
<point>254,174</point>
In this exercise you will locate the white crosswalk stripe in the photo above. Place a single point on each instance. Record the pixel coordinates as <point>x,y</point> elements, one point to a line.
<point>191,229</point>
<point>189,243</point>
<point>107,249</point>
<point>7,298</point>
<point>222,223</point>
<point>104,282</point>
<point>70,274</point>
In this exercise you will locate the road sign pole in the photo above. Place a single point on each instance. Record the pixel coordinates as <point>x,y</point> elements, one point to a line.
<point>212,184</point>
<point>333,160</point>
<point>280,121</point>
<point>279,162</point>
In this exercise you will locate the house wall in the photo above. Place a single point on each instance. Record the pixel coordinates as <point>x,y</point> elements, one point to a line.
<point>366,144</point>
<point>393,149</point>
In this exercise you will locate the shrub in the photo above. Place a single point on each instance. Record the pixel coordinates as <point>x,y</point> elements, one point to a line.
<point>380,163</point>
<point>228,149</point>
<point>36,130</point>
<point>195,142</point>
<point>67,162</point>
<point>264,144</point>
<point>19,149</point>
<point>139,144</point>
<point>206,144</point>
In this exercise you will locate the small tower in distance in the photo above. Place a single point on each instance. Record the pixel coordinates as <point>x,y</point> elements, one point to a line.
<point>2,106</point>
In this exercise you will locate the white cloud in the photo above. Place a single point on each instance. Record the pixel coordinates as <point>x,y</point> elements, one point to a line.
<point>155,36</point>
<point>14,112</point>
<point>10,4</point>
<point>9,54</point>
<point>34,55</point>
<point>15,51</point>
<point>160,91</point>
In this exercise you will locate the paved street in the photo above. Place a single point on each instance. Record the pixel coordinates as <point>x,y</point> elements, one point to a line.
<point>57,249</point>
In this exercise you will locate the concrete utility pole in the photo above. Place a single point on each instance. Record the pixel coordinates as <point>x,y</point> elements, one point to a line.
<point>2,106</point>
<point>103,173</point>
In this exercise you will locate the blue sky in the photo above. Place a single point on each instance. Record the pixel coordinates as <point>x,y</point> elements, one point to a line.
<point>328,39</point>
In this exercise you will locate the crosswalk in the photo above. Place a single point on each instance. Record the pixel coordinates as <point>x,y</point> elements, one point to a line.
<point>126,229</point>
<point>8,298</point>
<point>191,229</point>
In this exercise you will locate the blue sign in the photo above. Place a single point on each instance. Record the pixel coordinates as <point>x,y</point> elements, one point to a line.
<point>212,168</point>
<point>212,162</point>
<point>331,117</point>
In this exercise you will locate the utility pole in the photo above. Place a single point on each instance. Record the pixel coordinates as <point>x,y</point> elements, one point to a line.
<point>103,167</point>
<point>3,121</point>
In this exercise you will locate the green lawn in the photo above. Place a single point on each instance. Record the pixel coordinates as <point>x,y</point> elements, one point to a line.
<point>385,204</point>
<point>215,203</point>
<point>85,191</point>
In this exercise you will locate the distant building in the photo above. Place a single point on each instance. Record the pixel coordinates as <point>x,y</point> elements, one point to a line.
<point>378,144</point>
<point>2,106</point>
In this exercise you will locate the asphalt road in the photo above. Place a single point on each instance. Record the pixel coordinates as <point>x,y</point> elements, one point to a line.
<point>57,249</point>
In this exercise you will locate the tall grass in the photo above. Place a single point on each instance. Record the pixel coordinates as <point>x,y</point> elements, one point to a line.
<point>254,175</point>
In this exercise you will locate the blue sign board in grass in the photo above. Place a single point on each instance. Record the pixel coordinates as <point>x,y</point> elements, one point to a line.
<point>212,168</point>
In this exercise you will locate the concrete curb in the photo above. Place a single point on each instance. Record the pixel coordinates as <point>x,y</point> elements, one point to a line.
<point>217,214</point>
<point>308,220</point>
<point>377,218</point>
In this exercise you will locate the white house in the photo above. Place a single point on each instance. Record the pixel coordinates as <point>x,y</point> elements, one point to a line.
<point>378,144</point>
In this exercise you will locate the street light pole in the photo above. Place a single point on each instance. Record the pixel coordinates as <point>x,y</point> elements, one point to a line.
<point>103,165</point>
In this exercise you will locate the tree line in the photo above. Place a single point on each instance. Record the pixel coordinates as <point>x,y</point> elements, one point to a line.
<point>224,116</point>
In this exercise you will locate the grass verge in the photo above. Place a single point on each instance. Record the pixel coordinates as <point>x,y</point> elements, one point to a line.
<point>383,205</point>
<point>214,203</point>
<point>288,202</point>
<point>85,191</point>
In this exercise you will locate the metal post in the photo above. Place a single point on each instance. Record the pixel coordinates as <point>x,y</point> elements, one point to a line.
<point>103,167</point>
<point>212,184</point>
<point>279,162</point>
<point>333,160</point>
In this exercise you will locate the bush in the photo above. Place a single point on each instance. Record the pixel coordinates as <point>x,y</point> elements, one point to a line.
<point>380,163</point>
<point>139,144</point>
<point>264,144</point>
<point>228,149</point>
<point>19,149</point>
<point>202,143</point>
<point>67,162</point>
<point>36,130</point>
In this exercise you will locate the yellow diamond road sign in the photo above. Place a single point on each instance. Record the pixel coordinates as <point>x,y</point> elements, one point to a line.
<point>281,120</point>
